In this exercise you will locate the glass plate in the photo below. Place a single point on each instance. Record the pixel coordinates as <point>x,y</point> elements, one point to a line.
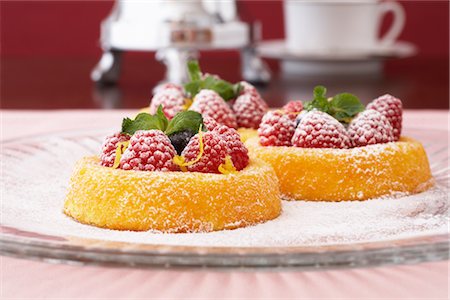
<point>35,170</point>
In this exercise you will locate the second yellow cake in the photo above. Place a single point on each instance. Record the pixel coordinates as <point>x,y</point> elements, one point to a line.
<point>348,174</point>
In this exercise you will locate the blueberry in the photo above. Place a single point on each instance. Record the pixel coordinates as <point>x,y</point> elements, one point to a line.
<point>180,140</point>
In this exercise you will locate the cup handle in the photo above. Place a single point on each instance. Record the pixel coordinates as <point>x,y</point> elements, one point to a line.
<point>397,25</point>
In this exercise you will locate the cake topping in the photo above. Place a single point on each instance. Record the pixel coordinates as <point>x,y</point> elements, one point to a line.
<point>210,104</point>
<point>249,109</point>
<point>152,142</point>
<point>210,123</point>
<point>180,140</point>
<point>343,107</point>
<point>293,107</point>
<point>392,109</point>
<point>320,123</point>
<point>227,167</point>
<point>172,101</point>
<point>236,149</point>
<point>247,88</point>
<point>204,153</point>
<point>229,104</point>
<point>319,130</point>
<point>109,148</point>
<point>276,129</point>
<point>370,127</point>
<point>121,147</point>
<point>225,89</point>
<point>149,150</point>
<point>185,120</point>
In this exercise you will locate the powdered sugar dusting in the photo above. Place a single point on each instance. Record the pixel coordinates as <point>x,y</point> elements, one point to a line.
<point>36,176</point>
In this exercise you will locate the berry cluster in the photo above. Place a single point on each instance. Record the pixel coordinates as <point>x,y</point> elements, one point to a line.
<point>232,105</point>
<point>246,110</point>
<point>380,122</point>
<point>218,150</point>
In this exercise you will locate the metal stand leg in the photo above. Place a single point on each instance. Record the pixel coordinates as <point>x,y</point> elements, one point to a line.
<point>254,69</point>
<point>107,70</point>
<point>175,61</point>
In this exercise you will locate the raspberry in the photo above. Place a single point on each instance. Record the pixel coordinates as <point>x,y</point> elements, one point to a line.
<point>276,129</point>
<point>247,88</point>
<point>370,127</point>
<point>210,123</point>
<point>317,129</point>
<point>167,86</point>
<point>249,110</point>
<point>149,150</point>
<point>172,101</point>
<point>392,109</point>
<point>210,104</point>
<point>109,147</point>
<point>214,152</point>
<point>293,107</point>
<point>236,148</point>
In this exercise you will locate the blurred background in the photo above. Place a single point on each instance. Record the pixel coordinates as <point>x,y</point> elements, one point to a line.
<point>49,49</point>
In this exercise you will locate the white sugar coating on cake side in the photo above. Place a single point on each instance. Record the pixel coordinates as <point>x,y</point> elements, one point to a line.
<point>34,188</point>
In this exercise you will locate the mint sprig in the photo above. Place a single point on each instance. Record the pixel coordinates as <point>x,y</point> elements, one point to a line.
<point>185,120</point>
<point>225,89</point>
<point>343,107</point>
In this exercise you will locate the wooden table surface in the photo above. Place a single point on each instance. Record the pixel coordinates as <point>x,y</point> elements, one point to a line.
<point>61,82</point>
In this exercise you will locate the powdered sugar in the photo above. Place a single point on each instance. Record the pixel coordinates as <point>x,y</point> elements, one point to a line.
<point>36,176</point>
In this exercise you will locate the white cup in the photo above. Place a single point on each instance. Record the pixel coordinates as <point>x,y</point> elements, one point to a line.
<point>339,25</point>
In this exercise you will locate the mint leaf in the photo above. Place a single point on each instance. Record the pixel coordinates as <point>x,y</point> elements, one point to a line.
<point>344,106</point>
<point>185,120</point>
<point>162,117</point>
<point>320,102</point>
<point>145,121</point>
<point>225,89</point>
<point>193,88</point>
<point>319,91</point>
<point>237,88</point>
<point>194,70</point>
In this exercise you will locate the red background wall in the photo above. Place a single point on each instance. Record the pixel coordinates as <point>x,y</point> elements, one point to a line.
<point>71,28</point>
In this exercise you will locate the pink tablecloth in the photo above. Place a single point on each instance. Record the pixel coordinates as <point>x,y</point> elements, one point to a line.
<point>31,280</point>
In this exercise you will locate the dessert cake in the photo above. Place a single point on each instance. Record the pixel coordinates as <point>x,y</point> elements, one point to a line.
<point>189,174</point>
<point>334,149</point>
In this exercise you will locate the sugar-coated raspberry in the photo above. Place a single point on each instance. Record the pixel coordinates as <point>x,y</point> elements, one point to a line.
<point>109,147</point>
<point>293,107</point>
<point>210,123</point>
<point>168,86</point>
<point>317,129</point>
<point>247,88</point>
<point>210,104</point>
<point>214,152</point>
<point>149,150</point>
<point>172,101</point>
<point>392,109</point>
<point>370,127</point>
<point>276,129</point>
<point>249,110</point>
<point>236,148</point>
